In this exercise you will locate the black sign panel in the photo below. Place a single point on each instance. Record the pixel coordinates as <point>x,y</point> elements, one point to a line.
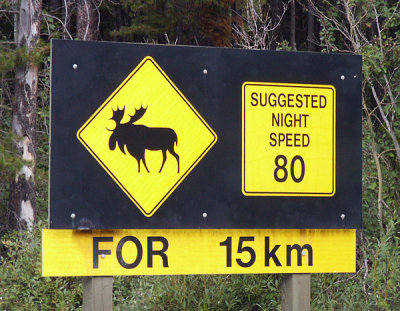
<point>212,82</point>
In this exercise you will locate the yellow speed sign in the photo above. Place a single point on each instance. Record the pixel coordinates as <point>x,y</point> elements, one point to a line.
<point>288,139</point>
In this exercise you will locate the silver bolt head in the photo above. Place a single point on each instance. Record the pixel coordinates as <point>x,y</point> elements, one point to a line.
<point>73,216</point>
<point>103,256</point>
<point>342,77</point>
<point>205,71</point>
<point>342,217</point>
<point>75,66</point>
<point>204,215</point>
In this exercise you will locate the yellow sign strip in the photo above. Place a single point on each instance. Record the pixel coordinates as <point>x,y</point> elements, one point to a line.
<point>197,251</point>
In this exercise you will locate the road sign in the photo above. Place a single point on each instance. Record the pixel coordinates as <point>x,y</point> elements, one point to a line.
<point>161,252</point>
<point>134,136</point>
<point>289,139</point>
<point>134,149</point>
<point>285,166</point>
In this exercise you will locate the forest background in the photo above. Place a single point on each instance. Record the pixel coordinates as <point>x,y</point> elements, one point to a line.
<point>370,28</point>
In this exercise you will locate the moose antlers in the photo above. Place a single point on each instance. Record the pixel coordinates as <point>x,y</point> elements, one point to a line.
<point>119,114</point>
<point>138,114</point>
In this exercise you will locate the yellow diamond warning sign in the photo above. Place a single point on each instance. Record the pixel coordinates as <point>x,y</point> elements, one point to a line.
<point>147,136</point>
<point>288,139</point>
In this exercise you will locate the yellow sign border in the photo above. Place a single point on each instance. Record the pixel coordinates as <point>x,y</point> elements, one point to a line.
<point>146,59</point>
<point>264,193</point>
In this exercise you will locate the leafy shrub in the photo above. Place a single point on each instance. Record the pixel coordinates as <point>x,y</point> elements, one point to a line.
<point>198,292</point>
<point>21,285</point>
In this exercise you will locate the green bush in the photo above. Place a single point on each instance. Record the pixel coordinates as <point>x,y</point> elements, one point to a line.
<point>373,287</point>
<point>198,292</point>
<point>21,285</point>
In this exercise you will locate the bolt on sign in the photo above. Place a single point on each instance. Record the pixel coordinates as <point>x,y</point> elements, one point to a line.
<point>134,136</point>
<point>191,160</point>
<point>288,136</point>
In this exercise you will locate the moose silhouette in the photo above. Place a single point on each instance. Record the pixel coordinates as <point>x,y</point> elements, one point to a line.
<point>139,138</point>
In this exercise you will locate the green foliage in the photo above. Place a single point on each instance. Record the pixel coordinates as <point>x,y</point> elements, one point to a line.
<point>10,164</point>
<point>202,292</point>
<point>327,35</point>
<point>42,136</point>
<point>371,29</point>
<point>13,58</point>
<point>22,287</point>
<point>374,286</point>
<point>284,46</point>
<point>8,58</point>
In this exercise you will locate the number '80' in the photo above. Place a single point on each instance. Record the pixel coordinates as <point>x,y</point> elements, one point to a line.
<point>281,173</point>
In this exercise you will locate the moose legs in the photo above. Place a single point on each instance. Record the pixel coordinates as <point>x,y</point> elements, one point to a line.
<point>172,151</point>
<point>164,153</point>
<point>144,163</point>
<point>141,157</point>
<point>164,158</point>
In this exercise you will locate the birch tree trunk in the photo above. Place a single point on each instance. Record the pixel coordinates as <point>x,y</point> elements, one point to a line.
<point>86,20</point>
<point>22,209</point>
<point>66,17</point>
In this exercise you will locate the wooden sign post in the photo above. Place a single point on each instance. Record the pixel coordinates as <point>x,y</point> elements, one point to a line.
<point>296,292</point>
<point>97,293</point>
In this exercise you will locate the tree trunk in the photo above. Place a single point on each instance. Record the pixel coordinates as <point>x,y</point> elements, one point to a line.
<point>276,13</point>
<point>117,18</point>
<point>86,20</point>
<point>22,209</point>
<point>293,24</point>
<point>66,18</point>
<point>310,28</point>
